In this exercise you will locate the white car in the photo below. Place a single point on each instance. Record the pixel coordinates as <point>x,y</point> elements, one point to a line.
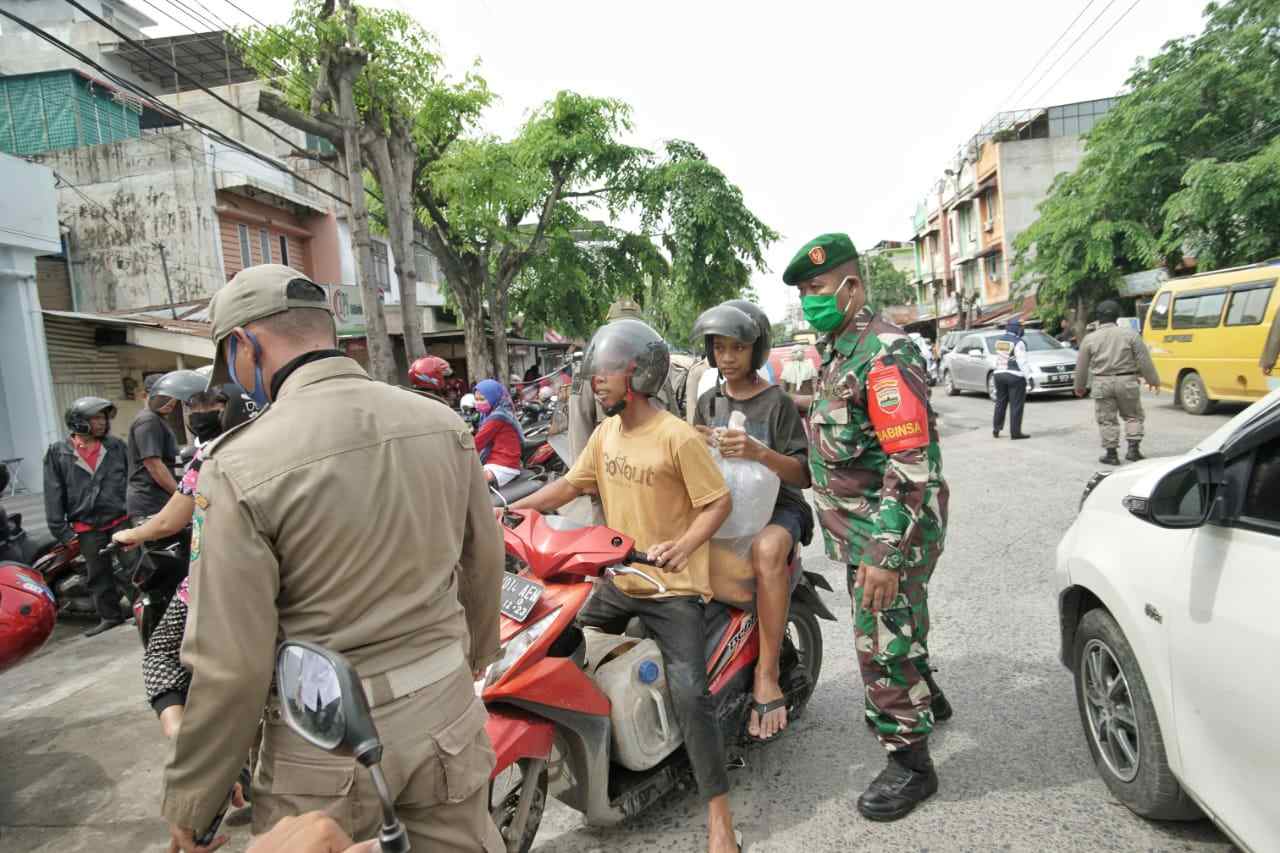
<point>1170,612</point>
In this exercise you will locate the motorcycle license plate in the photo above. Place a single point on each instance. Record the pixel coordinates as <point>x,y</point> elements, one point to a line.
<point>518,596</point>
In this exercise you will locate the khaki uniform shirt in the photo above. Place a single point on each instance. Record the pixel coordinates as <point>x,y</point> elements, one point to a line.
<point>349,513</point>
<point>1110,351</point>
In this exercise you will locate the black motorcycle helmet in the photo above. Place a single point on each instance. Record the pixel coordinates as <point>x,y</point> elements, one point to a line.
<point>727,321</point>
<point>81,410</point>
<point>240,407</point>
<point>1108,311</point>
<point>629,347</point>
<point>180,385</point>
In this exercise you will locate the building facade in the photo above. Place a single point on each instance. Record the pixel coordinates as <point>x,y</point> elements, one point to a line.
<point>29,419</point>
<point>966,225</point>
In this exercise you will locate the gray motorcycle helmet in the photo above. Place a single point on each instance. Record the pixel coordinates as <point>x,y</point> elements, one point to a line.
<point>729,321</point>
<point>629,347</point>
<point>764,344</point>
<point>180,385</point>
<point>77,417</point>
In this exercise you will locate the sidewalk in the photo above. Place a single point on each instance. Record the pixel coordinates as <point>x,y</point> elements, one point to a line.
<point>82,753</point>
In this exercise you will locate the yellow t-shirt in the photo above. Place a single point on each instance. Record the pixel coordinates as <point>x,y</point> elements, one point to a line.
<point>652,483</point>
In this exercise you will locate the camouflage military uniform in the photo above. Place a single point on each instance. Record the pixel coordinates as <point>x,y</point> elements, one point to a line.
<point>885,511</point>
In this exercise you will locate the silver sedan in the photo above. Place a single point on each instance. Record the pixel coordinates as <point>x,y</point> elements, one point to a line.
<point>971,365</point>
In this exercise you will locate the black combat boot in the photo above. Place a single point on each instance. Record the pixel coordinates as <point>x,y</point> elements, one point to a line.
<point>1110,457</point>
<point>1135,452</point>
<point>907,780</point>
<point>942,710</point>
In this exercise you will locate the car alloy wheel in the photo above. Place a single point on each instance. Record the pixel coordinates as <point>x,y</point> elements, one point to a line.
<point>1113,725</point>
<point>949,383</point>
<point>991,386</point>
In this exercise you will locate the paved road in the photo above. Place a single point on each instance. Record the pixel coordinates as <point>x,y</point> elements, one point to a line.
<point>81,755</point>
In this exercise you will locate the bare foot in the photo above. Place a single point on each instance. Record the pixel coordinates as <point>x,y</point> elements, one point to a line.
<point>765,691</point>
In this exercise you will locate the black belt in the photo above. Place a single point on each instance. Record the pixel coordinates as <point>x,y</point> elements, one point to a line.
<point>1130,373</point>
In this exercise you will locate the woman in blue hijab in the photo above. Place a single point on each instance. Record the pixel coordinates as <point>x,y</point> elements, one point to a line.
<point>499,440</point>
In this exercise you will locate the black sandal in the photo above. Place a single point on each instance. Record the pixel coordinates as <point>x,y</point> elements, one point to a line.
<point>762,710</point>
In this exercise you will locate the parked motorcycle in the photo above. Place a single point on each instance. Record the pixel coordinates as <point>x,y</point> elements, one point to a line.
<point>27,613</point>
<point>16,544</point>
<point>586,716</point>
<point>158,571</point>
<point>63,571</point>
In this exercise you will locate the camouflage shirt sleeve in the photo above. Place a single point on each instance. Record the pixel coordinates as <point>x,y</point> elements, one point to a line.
<point>906,474</point>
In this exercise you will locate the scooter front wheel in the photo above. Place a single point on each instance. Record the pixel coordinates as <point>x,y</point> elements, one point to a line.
<point>802,654</point>
<point>505,794</point>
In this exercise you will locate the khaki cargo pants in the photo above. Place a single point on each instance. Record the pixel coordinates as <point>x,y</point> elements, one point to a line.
<point>436,757</point>
<point>1118,397</point>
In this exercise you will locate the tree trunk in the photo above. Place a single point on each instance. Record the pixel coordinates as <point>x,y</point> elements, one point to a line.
<point>392,164</point>
<point>348,65</point>
<point>470,304</point>
<point>498,289</point>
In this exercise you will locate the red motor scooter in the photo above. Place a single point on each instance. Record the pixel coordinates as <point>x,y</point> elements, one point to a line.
<point>586,716</point>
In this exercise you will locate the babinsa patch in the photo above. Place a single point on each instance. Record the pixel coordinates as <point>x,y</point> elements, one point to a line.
<point>888,395</point>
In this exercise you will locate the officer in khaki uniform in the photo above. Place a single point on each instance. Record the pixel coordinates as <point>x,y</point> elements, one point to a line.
<point>1116,358</point>
<point>316,521</point>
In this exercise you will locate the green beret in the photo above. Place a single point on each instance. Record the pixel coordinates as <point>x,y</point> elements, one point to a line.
<point>822,253</point>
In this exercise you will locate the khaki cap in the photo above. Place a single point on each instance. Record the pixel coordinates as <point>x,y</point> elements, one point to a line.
<point>254,293</point>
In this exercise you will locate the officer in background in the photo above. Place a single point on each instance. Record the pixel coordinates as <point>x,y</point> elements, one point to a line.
<point>882,503</point>
<point>1116,357</point>
<point>325,529</point>
<point>1011,374</point>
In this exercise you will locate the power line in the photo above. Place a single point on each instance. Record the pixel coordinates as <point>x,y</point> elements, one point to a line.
<point>1070,47</point>
<point>1091,48</point>
<point>1009,101</point>
<point>167,109</point>
<point>133,43</point>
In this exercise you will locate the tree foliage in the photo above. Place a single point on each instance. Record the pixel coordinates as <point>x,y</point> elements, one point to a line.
<point>1184,164</point>
<point>527,223</point>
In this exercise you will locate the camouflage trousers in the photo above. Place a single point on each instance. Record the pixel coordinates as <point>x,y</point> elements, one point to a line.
<point>893,652</point>
<point>1118,397</point>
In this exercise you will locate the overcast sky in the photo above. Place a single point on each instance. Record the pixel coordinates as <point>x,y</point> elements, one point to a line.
<point>830,116</point>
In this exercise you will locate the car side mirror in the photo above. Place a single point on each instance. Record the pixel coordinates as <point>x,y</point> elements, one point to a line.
<point>1184,497</point>
<point>323,700</point>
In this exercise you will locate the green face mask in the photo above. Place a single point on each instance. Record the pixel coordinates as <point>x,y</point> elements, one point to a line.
<point>823,312</point>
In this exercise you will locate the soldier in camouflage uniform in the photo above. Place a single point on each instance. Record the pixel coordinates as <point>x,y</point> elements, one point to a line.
<point>882,504</point>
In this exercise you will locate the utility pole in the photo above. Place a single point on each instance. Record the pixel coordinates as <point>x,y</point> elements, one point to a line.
<point>168,286</point>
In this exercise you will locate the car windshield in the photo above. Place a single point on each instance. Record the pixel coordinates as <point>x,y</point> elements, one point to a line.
<point>1035,340</point>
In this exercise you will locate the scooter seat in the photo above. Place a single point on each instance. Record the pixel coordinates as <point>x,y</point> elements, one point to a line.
<point>716,618</point>
<point>517,489</point>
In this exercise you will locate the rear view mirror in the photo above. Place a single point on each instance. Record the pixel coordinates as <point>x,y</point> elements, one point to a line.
<point>1184,497</point>
<point>323,700</point>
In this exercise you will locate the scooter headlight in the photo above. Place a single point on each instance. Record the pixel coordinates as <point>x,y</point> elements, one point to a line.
<point>515,648</point>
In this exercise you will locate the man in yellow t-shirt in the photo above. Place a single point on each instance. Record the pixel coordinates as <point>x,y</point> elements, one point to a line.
<point>658,484</point>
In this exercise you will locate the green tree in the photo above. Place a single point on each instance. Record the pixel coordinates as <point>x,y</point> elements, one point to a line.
<point>372,84</point>
<point>1185,163</point>
<point>886,284</point>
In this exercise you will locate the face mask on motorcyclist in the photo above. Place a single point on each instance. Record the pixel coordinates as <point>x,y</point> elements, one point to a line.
<point>823,310</point>
<point>483,406</point>
<point>205,425</point>
<point>259,391</point>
